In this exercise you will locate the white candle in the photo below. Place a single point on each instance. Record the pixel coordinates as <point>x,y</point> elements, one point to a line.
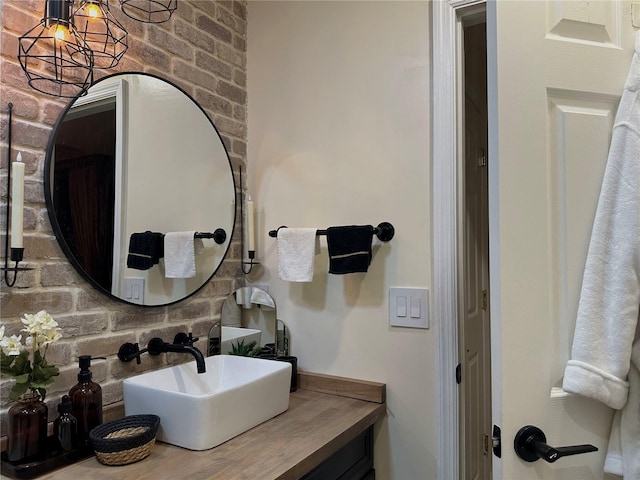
<point>251,237</point>
<point>17,202</point>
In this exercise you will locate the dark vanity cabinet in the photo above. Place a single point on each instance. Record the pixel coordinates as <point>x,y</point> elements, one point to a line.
<point>354,461</point>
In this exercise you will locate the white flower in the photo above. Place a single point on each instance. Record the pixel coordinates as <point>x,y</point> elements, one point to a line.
<point>1,332</point>
<point>42,329</point>
<point>46,320</point>
<point>39,322</point>
<point>11,346</point>
<point>30,322</point>
<point>43,338</point>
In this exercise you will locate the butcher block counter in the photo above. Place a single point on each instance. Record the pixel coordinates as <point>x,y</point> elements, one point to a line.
<point>325,414</point>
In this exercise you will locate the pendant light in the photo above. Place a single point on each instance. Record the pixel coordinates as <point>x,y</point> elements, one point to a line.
<point>106,37</point>
<point>54,57</point>
<point>149,11</point>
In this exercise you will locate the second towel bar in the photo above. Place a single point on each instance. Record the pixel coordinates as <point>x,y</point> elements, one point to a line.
<point>219,236</point>
<point>384,231</point>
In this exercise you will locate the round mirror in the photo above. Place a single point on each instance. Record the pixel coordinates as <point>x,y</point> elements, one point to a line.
<point>133,164</point>
<point>249,315</point>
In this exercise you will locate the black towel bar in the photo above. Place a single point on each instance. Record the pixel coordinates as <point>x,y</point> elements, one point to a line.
<point>219,236</point>
<point>384,231</point>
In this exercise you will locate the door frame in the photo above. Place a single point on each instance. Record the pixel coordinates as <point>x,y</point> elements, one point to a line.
<point>446,31</point>
<point>117,92</point>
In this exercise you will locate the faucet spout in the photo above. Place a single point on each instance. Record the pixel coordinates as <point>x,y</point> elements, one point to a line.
<point>157,346</point>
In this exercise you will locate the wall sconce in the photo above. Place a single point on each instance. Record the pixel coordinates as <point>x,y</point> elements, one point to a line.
<point>149,11</point>
<point>16,193</point>
<point>103,34</point>
<point>251,236</point>
<point>55,58</point>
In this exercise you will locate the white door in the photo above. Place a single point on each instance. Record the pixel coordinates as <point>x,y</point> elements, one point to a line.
<point>556,70</point>
<point>475,386</point>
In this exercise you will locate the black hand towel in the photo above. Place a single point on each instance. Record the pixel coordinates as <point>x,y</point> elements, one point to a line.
<point>145,250</point>
<point>349,248</point>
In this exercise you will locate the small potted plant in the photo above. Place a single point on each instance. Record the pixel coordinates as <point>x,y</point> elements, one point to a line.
<point>27,364</point>
<point>248,350</point>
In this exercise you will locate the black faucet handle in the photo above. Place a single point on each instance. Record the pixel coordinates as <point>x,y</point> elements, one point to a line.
<point>129,351</point>
<point>185,339</point>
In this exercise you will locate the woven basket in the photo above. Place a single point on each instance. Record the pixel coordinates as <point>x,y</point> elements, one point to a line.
<point>126,440</point>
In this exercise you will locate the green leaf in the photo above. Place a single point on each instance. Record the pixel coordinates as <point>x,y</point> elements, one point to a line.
<point>244,350</point>
<point>18,390</point>
<point>37,358</point>
<point>21,364</point>
<point>24,378</point>
<point>5,363</point>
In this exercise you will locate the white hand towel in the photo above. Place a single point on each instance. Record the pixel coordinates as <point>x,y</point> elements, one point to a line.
<point>180,254</point>
<point>296,249</point>
<point>260,297</point>
<point>243,297</point>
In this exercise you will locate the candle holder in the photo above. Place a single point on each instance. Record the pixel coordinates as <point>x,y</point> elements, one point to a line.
<point>16,254</point>
<point>251,254</point>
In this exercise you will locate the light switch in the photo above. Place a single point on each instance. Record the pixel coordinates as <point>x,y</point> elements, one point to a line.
<point>401,306</point>
<point>415,307</point>
<point>408,307</point>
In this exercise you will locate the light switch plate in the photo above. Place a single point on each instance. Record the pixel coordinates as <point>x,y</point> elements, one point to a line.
<point>409,307</point>
<point>134,290</point>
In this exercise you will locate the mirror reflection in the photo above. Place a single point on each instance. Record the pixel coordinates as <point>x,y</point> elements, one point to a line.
<point>249,325</point>
<point>130,162</point>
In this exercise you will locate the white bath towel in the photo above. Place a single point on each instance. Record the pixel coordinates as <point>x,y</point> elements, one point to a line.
<point>296,249</point>
<point>605,358</point>
<point>180,254</point>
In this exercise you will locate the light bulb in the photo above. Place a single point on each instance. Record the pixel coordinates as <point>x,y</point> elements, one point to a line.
<point>59,31</point>
<point>92,10</point>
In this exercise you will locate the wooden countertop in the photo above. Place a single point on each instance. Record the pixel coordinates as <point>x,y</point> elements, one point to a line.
<point>324,414</point>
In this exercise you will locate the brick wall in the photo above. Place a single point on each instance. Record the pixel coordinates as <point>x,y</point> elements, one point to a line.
<point>203,50</point>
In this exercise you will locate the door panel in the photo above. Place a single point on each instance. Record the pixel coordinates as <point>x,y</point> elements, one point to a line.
<point>579,134</point>
<point>556,73</point>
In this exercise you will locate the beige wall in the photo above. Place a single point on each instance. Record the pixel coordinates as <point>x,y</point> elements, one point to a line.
<point>338,135</point>
<point>202,49</point>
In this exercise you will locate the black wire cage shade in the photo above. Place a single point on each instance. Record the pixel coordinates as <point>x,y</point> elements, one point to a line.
<point>55,58</point>
<point>100,30</point>
<point>59,54</point>
<point>149,11</point>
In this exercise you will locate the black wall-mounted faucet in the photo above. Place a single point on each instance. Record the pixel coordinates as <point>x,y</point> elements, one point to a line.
<point>182,343</point>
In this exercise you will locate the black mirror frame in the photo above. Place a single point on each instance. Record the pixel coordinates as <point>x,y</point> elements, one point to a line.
<point>48,194</point>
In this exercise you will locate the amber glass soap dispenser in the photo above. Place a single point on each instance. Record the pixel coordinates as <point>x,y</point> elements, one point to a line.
<point>86,401</point>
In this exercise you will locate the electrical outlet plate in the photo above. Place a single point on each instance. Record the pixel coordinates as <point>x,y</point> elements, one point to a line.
<point>409,307</point>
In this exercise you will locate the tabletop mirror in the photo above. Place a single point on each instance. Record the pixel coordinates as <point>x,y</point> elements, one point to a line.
<point>248,315</point>
<point>137,155</point>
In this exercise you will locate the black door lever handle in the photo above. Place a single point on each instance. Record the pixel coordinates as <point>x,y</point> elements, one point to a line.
<point>530,444</point>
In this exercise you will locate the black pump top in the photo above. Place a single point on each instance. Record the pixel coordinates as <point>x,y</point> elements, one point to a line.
<point>65,405</point>
<point>84,363</point>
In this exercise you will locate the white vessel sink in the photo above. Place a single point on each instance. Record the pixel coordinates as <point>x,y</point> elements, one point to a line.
<point>235,335</point>
<point>201,411</point>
